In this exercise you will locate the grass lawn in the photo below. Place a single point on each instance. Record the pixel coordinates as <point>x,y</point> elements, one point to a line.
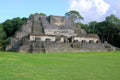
<point>66,66</point>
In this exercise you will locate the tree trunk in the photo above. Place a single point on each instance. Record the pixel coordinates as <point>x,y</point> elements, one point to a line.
<point>108,36</point>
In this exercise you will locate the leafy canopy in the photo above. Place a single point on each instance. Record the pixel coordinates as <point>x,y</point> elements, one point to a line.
<point>73,16</point>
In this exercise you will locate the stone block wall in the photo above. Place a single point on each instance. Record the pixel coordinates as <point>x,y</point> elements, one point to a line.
<point>57,20</point>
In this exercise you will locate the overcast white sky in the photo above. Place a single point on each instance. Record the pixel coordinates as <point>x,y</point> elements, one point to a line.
<point>93,10</point>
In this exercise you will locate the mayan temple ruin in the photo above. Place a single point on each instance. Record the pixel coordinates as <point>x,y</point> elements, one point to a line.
<point>47,34</point>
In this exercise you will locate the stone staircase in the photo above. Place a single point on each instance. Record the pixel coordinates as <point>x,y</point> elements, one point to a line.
<point>37,28</point>
<point>93,47</point>
<point>109,47</point>
<point>59,47</point>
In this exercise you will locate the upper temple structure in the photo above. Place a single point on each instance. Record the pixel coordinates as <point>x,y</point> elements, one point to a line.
<point>48,34</point>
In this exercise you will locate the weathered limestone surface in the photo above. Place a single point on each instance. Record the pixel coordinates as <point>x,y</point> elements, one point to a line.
<point>15,42</point>
<point>42,34</point>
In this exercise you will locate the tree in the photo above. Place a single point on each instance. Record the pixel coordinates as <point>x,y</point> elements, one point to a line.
<point>73,16</point>
<point>101,30</point>
<point>17,23</point>
<point>113,35</point>
<point>82,26</point>
<point>13,25</point>
<point>24,20</point>
<point>108,30</point>
<point>8,27</point>
<point>2,33</point>
<point>42,14</point>
<point>91,27</point>
<point>112,19</point>
<point>2,36</point>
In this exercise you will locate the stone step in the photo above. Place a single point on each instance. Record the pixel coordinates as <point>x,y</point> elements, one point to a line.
<point>93,47</point>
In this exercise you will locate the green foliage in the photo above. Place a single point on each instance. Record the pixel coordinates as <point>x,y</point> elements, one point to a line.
<point>11,26</point>
<point>24,20</point>
<point>42,14</point>
<point>73,16</point>
<point>108,30</point>
<point>17,23</point>
<point>2,36</point>
<point>8,29</point>
<point>82,26</point>
<point>2,33</point>
<point>91,27</point>
<point>65,66</point>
